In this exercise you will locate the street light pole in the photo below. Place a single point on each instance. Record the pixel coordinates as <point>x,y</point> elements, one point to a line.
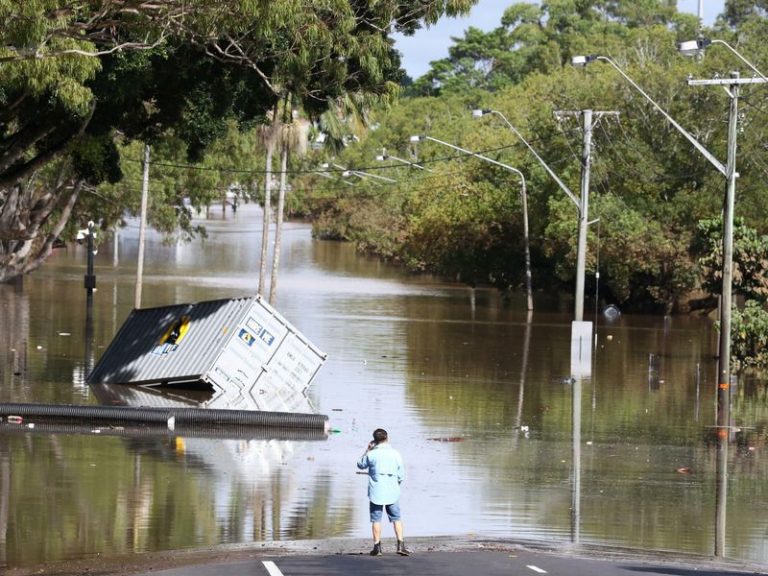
<point>724,346</point>
<point>731,85</point>
<point>693,47</point>
<point>582,203</point>
<point>524,199</point>
<point>362,175</point>
<point>583,60</point>
<point>386,156</point>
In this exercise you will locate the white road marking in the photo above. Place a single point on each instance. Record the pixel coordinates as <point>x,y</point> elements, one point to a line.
<point>536,569</point>
<point>272,568</point>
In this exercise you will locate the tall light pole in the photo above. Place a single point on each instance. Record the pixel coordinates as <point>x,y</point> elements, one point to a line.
<point>695,47</point>
<point>581,203</point>
<point>345,172</point>
<point>524,200</point>
<point>387,156</point>
<point>732,86</point>
<point>729,171</point>
<point>723,390</point>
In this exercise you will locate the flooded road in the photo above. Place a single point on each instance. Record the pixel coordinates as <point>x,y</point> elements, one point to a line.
<point>496,437</point>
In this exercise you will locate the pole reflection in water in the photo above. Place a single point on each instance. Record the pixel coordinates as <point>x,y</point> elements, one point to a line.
<point>581,366</point>
<point>89,337</point>
<point>524,369</point>
<point>576,471</point>
<point>721,490</point>
<point>5,501</point>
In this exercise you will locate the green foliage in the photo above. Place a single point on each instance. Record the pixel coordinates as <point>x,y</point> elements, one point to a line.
<point>750,257</point>
<point>738,11</point>
<point>749,336</point>
<point>76,77</point>
<point>541,38</point>
<point>649,187</point>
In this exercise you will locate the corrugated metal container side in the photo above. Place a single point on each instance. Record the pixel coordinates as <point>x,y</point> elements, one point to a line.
<point>138,354</point>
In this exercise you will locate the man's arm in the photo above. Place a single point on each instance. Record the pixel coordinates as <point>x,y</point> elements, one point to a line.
<point>364,463</point>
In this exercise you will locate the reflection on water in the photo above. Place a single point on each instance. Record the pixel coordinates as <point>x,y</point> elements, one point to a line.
<point>477,397</point>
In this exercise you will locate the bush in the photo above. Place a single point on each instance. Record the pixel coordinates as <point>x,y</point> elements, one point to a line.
<point>749,336</point>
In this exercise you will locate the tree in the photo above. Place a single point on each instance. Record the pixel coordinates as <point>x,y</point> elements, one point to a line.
<point>74,75</point>
<point>540,38</point>
<point>649,187</point>
<point>293,141</point>
<point>737,11</point>
<point>750,258</point>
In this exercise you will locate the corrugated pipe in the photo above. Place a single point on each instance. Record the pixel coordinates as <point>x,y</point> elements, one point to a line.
<point>37,426</point>
<point>170,417</point>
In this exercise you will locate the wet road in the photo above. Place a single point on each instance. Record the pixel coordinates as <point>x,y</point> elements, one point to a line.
<point>485,563</point>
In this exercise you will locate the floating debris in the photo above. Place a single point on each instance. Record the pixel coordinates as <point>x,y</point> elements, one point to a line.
<point>447,439</point>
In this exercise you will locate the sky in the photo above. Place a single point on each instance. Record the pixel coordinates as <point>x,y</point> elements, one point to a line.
<point>432,43</point>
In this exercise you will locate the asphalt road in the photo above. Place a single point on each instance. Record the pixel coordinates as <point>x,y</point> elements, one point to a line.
<point>458,556</point>
<point>464,563</point>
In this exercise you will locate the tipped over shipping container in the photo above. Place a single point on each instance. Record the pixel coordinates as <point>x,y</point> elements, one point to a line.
<point>241,347</point>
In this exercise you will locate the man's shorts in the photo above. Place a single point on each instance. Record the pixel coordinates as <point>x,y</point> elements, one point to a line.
<point>393,511</point>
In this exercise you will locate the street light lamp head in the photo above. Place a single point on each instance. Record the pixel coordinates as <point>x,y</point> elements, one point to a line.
<point>381,157</point>
<point>693,47</point>
<point>417,138</point>
<point>582,60</point>
<point>479,113</point>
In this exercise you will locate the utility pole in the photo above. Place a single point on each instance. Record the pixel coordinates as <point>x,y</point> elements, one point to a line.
<point>581,264</point>
<point>586,164</point>
<point>732,86</point>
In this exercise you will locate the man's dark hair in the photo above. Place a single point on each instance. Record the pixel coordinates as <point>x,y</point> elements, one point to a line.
<point>379,435</point>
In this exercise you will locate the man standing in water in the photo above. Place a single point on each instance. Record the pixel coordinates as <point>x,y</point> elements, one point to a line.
<point>385,473</point>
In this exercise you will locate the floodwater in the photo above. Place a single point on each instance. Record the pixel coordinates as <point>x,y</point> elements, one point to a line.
<point>498,440</point>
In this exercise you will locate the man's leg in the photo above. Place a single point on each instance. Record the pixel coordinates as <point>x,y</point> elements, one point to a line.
<point>393,510</point>
<point>376,510</point>
<point>398,524</point>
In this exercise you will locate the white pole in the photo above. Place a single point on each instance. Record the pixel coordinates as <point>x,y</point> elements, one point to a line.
<point>142,228</point>
<point>581,256</point>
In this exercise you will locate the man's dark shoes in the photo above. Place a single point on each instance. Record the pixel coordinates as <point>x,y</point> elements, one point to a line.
<point>401,549</point>
<point>376,549</point>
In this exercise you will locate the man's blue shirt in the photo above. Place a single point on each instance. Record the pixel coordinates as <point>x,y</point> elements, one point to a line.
<point>385,473</point>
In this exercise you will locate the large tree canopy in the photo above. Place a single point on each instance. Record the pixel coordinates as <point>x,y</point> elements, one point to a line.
<point>541,37</point>
<point>73,75</point>
<point>649,187</point>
